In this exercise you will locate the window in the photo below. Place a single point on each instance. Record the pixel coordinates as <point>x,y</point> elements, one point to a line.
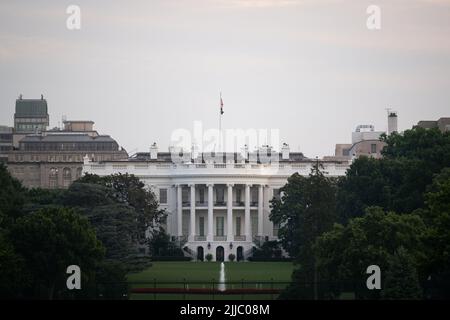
<point>201,226</point>
<point>238,226</point>
<point>67,173</point>
<point>201,193</point>
<point>254,196</point>
<point>277,194</point>
<point>53,178</point>
<point>220,195</point>
<point>220,226</point>
<point>346,152</point>
<point>184,195</point>
<point>79,172</point>
<point>238,195</point>
<point>163,196</point>
<point>373,148</point>
<point>276,227</point>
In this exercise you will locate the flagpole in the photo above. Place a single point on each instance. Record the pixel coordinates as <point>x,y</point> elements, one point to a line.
<point>220,124</point>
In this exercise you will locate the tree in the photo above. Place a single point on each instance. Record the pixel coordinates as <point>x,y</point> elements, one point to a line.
<point>345,252</point>
<point>52,239</point>
<point>161,246</point>
<point>13,274</point>
<point>305,210</point>
<point>12,196</point>
<point>402,281</point>
<point>129,190</point>
<point>436,215</point>
<point>398,181</point>
<point>115,222</point>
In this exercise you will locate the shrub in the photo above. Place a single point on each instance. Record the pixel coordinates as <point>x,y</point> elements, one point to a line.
<point>263,259</point>
<point>209,257</point>
<point>171,258</point>
<point>231,257</point>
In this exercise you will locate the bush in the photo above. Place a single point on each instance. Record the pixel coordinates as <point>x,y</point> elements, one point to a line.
<point>264,259</point>
<point>171,258</point>
<point>209,257</point>
<point>231,257</point>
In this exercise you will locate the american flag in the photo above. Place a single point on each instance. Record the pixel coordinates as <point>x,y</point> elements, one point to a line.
<point>221,104</point>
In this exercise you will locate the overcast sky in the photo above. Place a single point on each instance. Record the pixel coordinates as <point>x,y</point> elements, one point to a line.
<point>310,68</point>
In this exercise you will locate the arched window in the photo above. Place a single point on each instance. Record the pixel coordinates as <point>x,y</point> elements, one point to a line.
<point>67,174</point>
<point>79,172</point>
<point>53,178</point>
<point>67,177</point>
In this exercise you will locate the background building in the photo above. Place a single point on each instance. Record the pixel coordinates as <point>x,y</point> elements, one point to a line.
<point>443,124</point>
<point>31,116</point>
<point>365,141</point>
<point>6,142</point>
<point>51,158</point>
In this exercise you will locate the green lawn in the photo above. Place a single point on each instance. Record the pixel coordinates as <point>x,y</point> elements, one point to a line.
<point>202,274</point>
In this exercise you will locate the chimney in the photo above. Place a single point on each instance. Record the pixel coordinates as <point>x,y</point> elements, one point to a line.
<point>392,122</point>
<point>153,151</point>
<point>245,152</point>
<point>285,152</point>
<point>194,151</point>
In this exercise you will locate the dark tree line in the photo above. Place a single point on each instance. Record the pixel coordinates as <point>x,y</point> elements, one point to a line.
<point>98,223</point>
<point>392,212</point>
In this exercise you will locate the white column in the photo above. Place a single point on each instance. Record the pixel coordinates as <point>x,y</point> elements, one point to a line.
<point>247,220</point>
<point>260,210</point>
<point>179,212</point>
<point>230,213</point>
<point>210,234</point>
<point>192,234</point>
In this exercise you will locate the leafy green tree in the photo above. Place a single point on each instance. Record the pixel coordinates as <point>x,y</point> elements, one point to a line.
<point>129,190</point>
<point>115,222</point>
<point>305,211</point>
<point>52,239</point>
<point>345,252</point>
<point>12,196</point>
<point>401,280</point>
<point>160,245</point>
<point>13,274</point>
<point>398,181</point>
<point>436,215</point>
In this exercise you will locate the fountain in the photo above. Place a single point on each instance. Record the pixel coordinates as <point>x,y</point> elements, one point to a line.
<point>221,286</point>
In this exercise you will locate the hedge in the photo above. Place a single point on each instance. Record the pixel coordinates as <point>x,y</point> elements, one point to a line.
<point>171,258</point>
<point>266,259</point>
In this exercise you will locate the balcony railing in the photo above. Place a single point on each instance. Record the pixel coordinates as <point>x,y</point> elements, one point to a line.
<point>201,204</point>
<point>239,238</point>
<point>200,238</point>
<point>220,238</point>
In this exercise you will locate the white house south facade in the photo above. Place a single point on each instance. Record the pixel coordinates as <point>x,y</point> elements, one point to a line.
<point>218,206</point>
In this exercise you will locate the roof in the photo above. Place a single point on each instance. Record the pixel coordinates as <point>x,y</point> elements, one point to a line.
<point>31,108</point>
<point>66,138</point>
<point>234,156</point>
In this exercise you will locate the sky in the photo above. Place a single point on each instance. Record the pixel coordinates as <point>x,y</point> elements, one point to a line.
<point>310,69</point>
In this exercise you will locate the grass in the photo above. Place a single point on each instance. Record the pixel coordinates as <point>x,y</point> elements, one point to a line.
<point>201,274</point>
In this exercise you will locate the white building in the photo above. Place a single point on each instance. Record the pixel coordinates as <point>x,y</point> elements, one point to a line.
<point>216,204</point>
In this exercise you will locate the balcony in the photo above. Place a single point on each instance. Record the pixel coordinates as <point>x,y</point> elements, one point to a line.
<point>220,203</point>
<point>200,238</point>
<point>239,238</point>
<point>220,238</point>
<point>201,203</point>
